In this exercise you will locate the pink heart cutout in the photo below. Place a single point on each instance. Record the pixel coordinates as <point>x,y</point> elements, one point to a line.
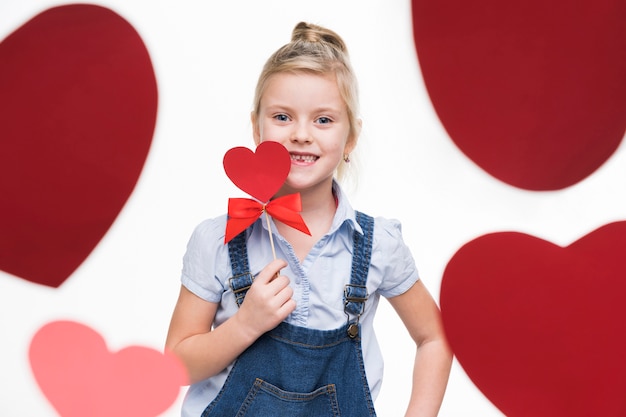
<point>77,114</point>
<point>260,173</point>
<point>81,377</point>
<point>540,329</point>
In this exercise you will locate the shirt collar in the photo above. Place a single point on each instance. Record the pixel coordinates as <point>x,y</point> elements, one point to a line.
<point>345,213</point>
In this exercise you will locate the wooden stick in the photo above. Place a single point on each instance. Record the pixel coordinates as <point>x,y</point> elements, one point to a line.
<point>269,230</point>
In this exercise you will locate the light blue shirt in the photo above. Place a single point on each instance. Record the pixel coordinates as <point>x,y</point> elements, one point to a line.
<point>318,282</point>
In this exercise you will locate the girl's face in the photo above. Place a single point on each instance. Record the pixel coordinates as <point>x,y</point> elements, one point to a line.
<point>306,114</point>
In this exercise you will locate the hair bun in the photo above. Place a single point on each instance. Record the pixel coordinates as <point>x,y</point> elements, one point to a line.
<point>308,32</point>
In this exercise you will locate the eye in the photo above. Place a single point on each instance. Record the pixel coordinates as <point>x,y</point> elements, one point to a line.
<point>324,120</point>
<point>281,117</point>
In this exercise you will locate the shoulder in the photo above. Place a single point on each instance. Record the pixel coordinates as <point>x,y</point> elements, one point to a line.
<point>205,259</point>
<point>211,229</point>
<point>392,258</point>
<point>387,231</point>
<point>207,238</point>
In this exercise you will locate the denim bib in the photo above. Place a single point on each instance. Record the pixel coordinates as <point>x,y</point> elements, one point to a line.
<point>294,371</point>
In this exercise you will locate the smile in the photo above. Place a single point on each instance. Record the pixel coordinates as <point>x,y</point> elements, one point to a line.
<point>303,158</point>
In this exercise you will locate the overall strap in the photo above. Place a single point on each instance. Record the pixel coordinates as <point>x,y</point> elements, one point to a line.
<point>242,278</point>
<point>355,293</point>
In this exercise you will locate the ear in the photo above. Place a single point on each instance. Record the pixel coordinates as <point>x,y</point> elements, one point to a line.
<point>353,138</point>
<point>256,134</point>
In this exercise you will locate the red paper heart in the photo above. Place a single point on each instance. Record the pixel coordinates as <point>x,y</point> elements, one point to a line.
<point>540,328</point>
<point>260,173</point>
<point>80,377</point>
<point>77,115</point>
<point>534,92</point>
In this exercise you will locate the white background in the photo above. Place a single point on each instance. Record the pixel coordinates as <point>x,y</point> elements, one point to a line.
<point>207,56</point>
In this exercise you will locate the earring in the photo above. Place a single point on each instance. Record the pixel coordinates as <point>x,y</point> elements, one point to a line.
<point>346,158</point>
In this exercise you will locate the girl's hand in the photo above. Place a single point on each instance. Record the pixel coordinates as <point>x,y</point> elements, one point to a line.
<point>268,301</point>
<point>191,334</point>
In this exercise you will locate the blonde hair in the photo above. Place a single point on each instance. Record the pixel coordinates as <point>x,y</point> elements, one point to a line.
<point>315,49</point>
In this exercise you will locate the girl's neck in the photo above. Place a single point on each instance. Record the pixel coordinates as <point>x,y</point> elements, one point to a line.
<point>318,211</point>
<point>314,199</point>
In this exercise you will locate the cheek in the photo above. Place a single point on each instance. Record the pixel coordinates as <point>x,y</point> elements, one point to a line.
<point>344,144</point>
<point>269,132</point>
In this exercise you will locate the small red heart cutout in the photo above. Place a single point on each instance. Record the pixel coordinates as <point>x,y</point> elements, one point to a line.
<point>540,329</point>
<point>260,173</point>
<point>77,114</point>
<point>80,377</point>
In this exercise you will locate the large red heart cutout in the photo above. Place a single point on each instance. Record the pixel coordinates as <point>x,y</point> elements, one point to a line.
<point>77,115</point>
<point>81,377</point>
<point>540,329</point>
<point>260,173</point>
<point>534,92</point>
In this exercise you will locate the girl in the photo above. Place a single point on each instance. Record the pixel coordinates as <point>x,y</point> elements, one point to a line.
<point>294,336</point>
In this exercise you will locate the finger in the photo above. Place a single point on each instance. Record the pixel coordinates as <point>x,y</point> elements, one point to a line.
<point>277,274</point>
<point>287,308</point>
<point>284,292</point>
<point>278,285</point>
<point>270,271</point>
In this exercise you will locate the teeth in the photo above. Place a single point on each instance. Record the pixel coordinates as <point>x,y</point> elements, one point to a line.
<point>304,158</point>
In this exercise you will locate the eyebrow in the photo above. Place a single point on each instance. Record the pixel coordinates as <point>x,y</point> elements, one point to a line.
<point>321,109</point>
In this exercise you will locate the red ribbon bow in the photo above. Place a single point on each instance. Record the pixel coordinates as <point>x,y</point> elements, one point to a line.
<point>242,212</point>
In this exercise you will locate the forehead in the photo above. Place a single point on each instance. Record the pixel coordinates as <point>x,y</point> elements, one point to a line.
<point>303,87</point>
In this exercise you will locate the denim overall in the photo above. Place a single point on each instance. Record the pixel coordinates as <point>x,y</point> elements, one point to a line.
<point>294,371</point>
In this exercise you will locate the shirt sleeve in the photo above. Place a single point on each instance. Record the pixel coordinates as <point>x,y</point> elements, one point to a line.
<point>205,261</point>
<point>393,258</point>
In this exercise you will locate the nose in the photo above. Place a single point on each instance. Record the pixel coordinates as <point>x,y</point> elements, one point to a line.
<point>300,133</point>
